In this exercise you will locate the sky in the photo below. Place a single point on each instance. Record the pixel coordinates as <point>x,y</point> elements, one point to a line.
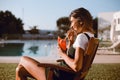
<point>45,13</point>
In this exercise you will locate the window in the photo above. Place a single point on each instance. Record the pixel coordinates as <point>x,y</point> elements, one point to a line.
<point>118,20</point>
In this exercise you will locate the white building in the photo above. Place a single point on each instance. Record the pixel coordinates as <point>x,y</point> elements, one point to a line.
<point>105,25</point>
<point>115,27</point>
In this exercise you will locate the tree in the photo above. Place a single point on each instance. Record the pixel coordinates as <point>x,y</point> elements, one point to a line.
<point>95,26</point>
<point>63,25</point>
<point>34,30</point>
<point>9,24</point>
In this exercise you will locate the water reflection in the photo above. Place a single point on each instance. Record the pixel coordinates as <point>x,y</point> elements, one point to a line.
<point>11,49</point>
<point>33,49</point>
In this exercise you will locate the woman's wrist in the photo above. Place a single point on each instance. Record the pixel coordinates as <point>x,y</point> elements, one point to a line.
<point>71,41</point>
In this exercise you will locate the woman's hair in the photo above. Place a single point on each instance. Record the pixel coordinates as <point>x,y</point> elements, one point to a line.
<point>84,16</point>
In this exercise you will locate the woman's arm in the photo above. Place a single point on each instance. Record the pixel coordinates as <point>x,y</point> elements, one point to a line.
<point>69,44</point>
<point>76,63</point>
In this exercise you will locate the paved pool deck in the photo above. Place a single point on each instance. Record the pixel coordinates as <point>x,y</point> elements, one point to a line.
<point>101,57</point>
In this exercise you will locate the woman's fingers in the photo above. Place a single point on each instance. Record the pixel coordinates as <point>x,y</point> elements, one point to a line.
<point>70,35</point>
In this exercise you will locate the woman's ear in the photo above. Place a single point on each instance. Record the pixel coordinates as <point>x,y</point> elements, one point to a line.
<point>81,24</point>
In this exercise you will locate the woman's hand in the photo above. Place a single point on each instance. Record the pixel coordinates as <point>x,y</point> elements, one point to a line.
<point>71,35</point>
<point>60,51</point>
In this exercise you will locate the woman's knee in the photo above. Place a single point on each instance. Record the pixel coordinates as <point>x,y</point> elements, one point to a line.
<point>23,60</point>
<point>28,60</point>
<point>19,69</point>
<point>24,57</point>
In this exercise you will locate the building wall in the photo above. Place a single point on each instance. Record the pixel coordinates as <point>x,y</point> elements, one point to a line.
<point>115,27</point>
<point>104,24</point>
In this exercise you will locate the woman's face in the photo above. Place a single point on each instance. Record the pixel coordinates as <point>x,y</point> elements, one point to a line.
<point>75,25</point>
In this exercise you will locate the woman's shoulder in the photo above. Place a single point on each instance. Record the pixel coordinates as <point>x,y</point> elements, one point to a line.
<point>83,36</point>
<point>89,34</point>
<point>80,35</point>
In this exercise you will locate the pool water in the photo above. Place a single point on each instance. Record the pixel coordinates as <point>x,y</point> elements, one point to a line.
<point>32,48</point>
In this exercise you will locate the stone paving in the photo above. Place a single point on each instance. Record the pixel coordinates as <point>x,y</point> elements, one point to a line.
<point>102,56</point>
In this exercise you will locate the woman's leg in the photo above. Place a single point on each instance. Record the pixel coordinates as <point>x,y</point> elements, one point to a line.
<point>28,67</point>
<point>22,73</point>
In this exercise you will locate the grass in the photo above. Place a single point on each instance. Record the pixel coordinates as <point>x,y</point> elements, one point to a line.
<point>104,72</point>
<point>7,71</point>
<point>97,72</point>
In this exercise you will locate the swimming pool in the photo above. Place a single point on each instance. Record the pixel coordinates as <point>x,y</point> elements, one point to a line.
<point>32,48</point>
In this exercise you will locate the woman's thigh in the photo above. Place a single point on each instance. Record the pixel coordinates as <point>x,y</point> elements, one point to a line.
<point>31,65</point>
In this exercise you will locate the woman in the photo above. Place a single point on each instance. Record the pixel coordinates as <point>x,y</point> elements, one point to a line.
<point>81,24</point>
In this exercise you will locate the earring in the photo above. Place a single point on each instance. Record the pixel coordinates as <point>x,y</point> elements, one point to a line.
<point>81,23</point>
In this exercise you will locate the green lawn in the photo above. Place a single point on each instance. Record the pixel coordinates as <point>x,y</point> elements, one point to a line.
<point>97,72</point>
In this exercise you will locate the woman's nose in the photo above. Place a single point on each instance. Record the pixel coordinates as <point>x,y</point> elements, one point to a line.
<point>71,26</point>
